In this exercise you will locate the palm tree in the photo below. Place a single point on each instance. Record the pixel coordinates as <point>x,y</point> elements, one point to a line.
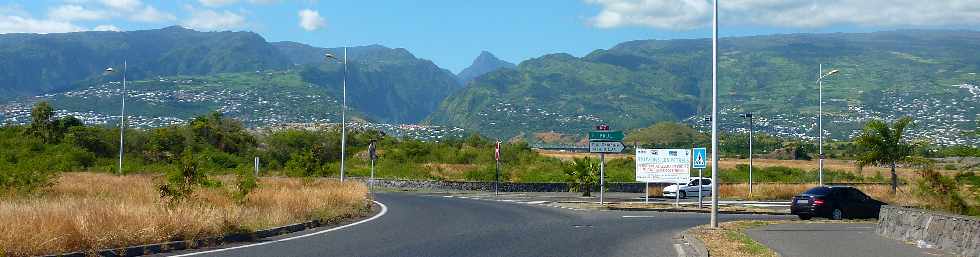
<point>583,174</point>
<point>884,145</point>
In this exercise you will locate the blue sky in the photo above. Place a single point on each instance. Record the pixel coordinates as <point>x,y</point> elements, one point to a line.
<point>453,32</point>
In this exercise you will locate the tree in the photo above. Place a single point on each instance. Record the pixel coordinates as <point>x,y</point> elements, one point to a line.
<point>884,145</point>
<point>583,174</point>
<point>42,121</point>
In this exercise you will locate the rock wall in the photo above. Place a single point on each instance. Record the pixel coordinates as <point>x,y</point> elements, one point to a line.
<point>503,187</point>
<point>955,234</point>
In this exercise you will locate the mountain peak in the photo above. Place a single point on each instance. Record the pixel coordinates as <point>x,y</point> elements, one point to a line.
<point>485,63</point>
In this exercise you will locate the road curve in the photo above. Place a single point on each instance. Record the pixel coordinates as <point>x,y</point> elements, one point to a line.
<point>427,225</point>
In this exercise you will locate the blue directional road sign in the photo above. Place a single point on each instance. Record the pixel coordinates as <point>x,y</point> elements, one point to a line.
<point>700,158</point>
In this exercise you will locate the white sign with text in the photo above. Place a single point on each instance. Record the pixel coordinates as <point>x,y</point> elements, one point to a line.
<point>663,165</point>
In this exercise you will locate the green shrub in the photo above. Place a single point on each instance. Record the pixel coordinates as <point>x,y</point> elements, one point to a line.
<point>245,182</point>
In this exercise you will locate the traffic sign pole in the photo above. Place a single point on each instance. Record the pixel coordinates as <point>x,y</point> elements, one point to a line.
<point>602,176</point>
<point>677,194</point>
<point>647,193</point>
<point>700,187</point>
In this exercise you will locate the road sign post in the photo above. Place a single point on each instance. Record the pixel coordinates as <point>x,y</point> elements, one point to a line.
<point>700,188</point>
<point>604,141</point>
<point>373,155</point>
<point>256,166</point>
<point>647,190</point>
<point>700,162</point>
<point>602,176</point>
<point>496,176</point>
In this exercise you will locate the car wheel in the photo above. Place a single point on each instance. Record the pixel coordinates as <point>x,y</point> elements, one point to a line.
<point>805,217</point>
<point>683,194</point>
<point>837,214</point>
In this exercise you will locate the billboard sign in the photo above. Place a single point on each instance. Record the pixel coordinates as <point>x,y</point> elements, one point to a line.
<point>663,165</point>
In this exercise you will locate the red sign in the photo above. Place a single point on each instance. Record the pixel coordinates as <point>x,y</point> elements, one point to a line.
<point>496,152</point>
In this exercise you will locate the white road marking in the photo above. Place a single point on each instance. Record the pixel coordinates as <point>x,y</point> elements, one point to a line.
<point>507,200</point>
<point>447,196</point>
<point>384,210</point>
<point>642,216</point>
<point>680,250</point>
<point>536,202</point>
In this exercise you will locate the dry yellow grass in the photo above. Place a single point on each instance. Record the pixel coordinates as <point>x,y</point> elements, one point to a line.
<point>87,211</point>
<point>570,155</point>
<point>448,171</point>
<point>730,240</point>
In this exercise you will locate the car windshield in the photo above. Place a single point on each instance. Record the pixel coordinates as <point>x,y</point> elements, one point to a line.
<point>817,191</point>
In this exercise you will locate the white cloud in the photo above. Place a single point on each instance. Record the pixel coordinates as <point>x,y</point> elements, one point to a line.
<point>20,24</point>
<point>106,27</point>
<point>688,14</point>
<point>311,20</point>
<point>212,20</point>
<point>217,2</point>
<point>75,12</point>
<point>152,15</point>
<point>264,1</point>
<point>123,5</point>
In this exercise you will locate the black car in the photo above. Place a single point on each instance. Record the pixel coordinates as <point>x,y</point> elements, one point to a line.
<point>835,202</point>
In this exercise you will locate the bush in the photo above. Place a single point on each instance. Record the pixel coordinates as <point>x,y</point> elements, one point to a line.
<point>246,182</point>
<point>179,183</point>
<point>943,192</point>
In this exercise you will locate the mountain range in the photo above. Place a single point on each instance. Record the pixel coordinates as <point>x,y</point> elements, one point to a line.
<point>485,63</point>
<point>926,74</point>
<point>929,74</point>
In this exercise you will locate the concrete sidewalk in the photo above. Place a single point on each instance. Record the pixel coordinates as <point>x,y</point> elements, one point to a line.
<point>834,239</point>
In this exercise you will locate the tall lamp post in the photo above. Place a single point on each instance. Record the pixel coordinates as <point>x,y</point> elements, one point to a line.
<point>820,116</point>
<point>749,117</point>
<point>122,114</point>
<point>343,115</point>
<point>714,116</point>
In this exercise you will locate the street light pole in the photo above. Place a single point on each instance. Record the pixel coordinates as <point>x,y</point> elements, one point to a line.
<point>820,78</point>
<point>820,122</point>
<point>714,116</point>
<point>122,115</point>
<point>343,120</point>
<point>749,116</point>
<point>343,116</point>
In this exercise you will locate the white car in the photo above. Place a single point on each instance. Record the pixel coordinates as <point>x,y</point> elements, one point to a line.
<point>690,189</point>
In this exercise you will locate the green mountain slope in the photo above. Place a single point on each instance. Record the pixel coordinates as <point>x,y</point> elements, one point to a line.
<point>388,85</point>
<point>40,63</point>
<point>634,84</point>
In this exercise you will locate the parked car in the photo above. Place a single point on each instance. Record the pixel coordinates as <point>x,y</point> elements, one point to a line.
<point>835,202</point>
<point>690,189</point>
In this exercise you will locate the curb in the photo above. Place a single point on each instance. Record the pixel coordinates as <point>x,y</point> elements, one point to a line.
<point>140,250</point>
<point>694,242</point>
<point>695,211</point>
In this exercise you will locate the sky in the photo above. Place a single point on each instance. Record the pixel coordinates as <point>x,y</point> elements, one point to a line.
<point>452,33</point>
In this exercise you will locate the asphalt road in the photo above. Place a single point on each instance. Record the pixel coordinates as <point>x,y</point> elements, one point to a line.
<point>428,225</point>
<point>830,239</point>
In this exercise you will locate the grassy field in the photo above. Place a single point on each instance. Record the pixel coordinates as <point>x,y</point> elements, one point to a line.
<point>86,211</point>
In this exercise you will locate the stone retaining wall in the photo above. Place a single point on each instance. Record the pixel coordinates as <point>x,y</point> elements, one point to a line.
<point>955,234</point>
<point>503,187</point>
